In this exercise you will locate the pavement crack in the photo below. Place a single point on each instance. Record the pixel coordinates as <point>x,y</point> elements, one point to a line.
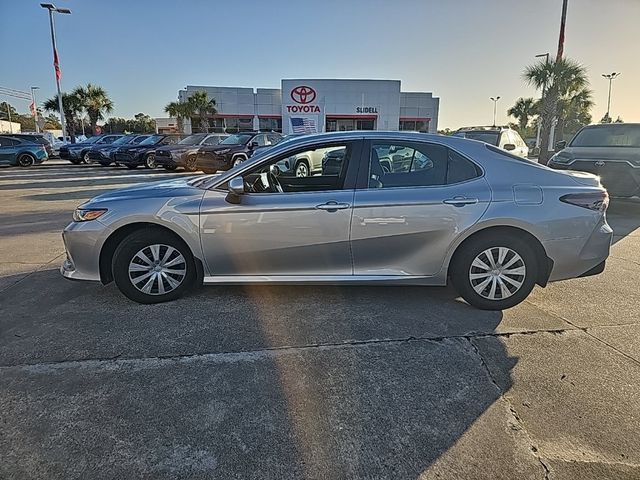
<point>41,266</point>
<point>533,448</point>
<point>121,357</point>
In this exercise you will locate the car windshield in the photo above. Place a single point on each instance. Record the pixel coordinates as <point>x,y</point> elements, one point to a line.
<point>608,136</point>
<point>121,141</point>
<point>152,140</point>
<point>487,137</point>
<point>193,139</point>
<point>237,139</point>
<point>138,139</point>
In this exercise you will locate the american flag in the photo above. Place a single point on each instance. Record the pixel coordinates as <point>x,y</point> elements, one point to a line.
<point>303,125</point>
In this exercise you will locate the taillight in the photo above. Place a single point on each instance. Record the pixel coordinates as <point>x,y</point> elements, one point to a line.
<point>598,201</point>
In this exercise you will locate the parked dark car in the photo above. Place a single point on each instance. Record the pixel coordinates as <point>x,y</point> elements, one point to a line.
<point>103,154</point>
<point>132,156</point>
<point>78,153</point>
<point>36,138</point>
<point>234,150</point>
<point>185,152</point>
<point>611,151</point>
<point>20,152</point>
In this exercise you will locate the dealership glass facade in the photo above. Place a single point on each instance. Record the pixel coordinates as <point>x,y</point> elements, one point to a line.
<point>318,105</point>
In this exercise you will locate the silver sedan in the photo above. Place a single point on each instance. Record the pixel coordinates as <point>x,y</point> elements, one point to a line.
<point>387,208</point>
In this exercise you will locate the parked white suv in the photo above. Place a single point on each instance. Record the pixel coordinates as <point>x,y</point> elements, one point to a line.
<point>501,137</point>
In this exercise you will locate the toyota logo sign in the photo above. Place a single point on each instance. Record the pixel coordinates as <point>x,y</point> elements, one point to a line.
<point>303,94</point>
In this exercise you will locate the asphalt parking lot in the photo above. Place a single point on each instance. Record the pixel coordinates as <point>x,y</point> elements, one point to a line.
<point>305,382</point>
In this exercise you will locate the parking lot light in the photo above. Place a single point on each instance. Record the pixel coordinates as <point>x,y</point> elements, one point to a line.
<point>56,61</point>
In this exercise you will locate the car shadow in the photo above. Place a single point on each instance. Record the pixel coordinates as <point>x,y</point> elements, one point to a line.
<point>623,215</point>
<point>252,381</point>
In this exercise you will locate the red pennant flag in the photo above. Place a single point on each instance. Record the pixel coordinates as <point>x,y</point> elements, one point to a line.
<point>56,64</point>
<point>32,107</point>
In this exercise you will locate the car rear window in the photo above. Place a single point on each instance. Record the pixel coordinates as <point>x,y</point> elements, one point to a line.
<point>608,136</point>
<point>510,156</point>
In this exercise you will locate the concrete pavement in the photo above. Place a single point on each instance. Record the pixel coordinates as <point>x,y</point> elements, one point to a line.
<point>305,382</point>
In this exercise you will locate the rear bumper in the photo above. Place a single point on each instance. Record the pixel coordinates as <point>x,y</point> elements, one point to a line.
<point>580,257</point>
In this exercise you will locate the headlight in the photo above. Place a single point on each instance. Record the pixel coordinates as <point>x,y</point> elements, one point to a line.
<point>222,152</point>
<point>87,214</point>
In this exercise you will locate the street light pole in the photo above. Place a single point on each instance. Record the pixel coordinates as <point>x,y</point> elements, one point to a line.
<point>610,77</point>
<point>35,107</point>
<point>56,61</point>
<point>495,104</point>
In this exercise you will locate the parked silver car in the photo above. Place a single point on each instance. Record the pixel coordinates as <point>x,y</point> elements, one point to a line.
<point>492,223</point>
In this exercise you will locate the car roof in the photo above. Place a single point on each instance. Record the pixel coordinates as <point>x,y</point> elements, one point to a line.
<point>614,125</point>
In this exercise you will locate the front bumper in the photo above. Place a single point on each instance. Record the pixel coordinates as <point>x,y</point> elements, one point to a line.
<point>218,162</point>
<point>126,158</point>
<point>574,257</point>
<point>83,242</point>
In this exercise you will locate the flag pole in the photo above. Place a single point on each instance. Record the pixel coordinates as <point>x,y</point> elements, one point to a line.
<point>56,67</point>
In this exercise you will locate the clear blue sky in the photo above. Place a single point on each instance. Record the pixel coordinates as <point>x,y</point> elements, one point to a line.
<point>464,51</point>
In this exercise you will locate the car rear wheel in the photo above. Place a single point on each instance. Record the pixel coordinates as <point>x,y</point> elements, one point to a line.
<point>85,157</point>
<point>494,272</point>
<point>26,160</point>
<point>191,164</point>
<point>237,161</point>
<point>152,266</point>
<point>150,161</point>
<point>302,169</point>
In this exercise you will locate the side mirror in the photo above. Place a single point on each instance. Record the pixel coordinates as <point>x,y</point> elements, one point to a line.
<point>236,185</point>
<point>509,146</point>
<point>275,170</point>
<point>253,145</point>
<point>560,145</point>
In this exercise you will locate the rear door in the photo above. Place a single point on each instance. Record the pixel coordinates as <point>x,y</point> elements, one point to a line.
<point>8,149</point>
<point>412,201</point>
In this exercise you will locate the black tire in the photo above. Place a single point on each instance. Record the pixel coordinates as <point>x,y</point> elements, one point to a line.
<point>237,160</point>
<point>127,251</point>
<point>85,157</point>
<point>131,167</point>
<point>26,160</point>
<point>191,163</point>
<point>303,165</point>
<point>149,161</point>
<point>461,270</point>
<point>170,168</point>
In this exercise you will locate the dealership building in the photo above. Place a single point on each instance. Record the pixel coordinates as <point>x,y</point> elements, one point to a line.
<point>309,106</point>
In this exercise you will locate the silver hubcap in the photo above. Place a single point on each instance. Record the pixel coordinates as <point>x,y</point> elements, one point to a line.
<point>237,162</point>
<point>157,269</point>
<point>497,273</point>
<point>302,170</point>
<point>151,161</point>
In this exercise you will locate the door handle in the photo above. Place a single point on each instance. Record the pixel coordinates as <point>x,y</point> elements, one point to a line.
<point>332,206</point>
<point>460,201</point>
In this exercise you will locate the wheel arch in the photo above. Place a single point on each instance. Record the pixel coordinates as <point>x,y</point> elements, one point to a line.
<point>545,262</point>
<point>111,243</point>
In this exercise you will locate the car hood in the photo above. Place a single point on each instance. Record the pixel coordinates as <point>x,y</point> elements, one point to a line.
<point>602,153</point>
<point>177,148</point>
<point>165,188</point>
<point>219,148</point>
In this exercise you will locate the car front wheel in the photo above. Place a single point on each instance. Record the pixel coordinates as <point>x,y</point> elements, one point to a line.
<point>26,160</point>
<point>150,161</point>
<point>191,164</point>
<point>495,272</point>
<point>153,266</point>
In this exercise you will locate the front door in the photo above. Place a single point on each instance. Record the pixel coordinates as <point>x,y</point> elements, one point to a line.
<point>413,201</point>
<point>283,225</point>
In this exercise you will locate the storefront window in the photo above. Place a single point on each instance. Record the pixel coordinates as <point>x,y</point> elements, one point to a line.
<point>270,124</point>
<point>349,124</point>
<point>415,125</point>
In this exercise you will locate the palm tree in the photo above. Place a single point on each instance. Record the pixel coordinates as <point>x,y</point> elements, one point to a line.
<point>523,109</point>
<point>95,101</point>
<point>72,106</point>
<point>202,108</point>
<point>557,79</point>
<point>574,111</point>
<point>180,111</point>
